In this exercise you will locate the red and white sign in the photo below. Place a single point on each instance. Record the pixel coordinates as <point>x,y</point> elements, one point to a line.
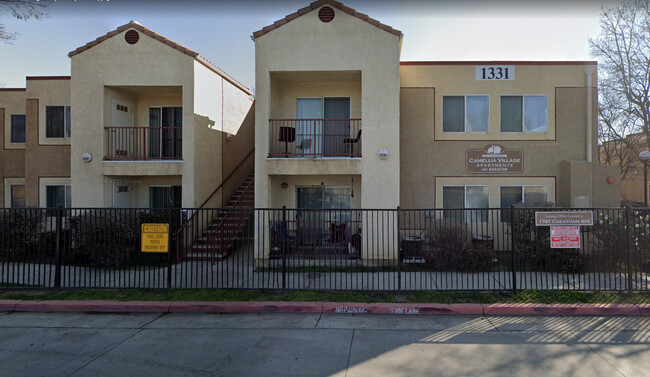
<point>565,237</point>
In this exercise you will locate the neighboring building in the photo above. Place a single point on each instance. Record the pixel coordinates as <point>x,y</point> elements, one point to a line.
<point>624,153</point>
<point>142,122</point>
<point>435,134</point>
<point>36,153</point>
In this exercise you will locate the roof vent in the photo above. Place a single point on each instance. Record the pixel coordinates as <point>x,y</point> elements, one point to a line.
<point>131,37</point>
<point>326,14</point>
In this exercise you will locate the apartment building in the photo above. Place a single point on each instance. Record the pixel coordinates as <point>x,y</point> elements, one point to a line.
<point>341,123</point>
<point>141,122</point>
<point>35,122</point>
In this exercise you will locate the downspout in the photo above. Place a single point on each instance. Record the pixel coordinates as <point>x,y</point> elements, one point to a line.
<point>589,71</point>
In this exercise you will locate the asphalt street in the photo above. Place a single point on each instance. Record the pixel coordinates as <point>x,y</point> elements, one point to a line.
<point>320,344</point>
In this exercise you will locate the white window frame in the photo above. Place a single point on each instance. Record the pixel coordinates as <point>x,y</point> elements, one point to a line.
<point>67,131</point>
<point>465,220</point>
<point>487,128</point>
<point>523,112</point>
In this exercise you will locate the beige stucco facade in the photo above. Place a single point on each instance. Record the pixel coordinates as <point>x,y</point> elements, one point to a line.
<point>140,77</point>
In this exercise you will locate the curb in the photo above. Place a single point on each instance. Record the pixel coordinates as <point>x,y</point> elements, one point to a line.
<point>323,307</point>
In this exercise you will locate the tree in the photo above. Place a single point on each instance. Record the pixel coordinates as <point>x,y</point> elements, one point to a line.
<point>22,10</point>
<point>623,53</point>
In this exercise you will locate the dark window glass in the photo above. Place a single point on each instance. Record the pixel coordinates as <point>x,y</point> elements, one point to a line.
<point>453,114</point>
<point>18,128</point>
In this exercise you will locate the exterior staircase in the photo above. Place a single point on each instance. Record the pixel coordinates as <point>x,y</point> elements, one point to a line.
<point>219,239</point>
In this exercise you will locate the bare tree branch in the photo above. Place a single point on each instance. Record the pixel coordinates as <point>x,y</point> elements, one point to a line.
<point>22,10</point>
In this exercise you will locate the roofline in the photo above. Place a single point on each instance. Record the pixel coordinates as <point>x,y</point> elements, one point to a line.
<point>318,4</point>
<point>148,32</point>
<point>500,62</point>
<point>13,89</point>
<point>29,78</point>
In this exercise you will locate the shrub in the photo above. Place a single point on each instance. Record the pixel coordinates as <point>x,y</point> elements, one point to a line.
<point>19,233</point>
<point>448,249</point>
<point>613,238</point>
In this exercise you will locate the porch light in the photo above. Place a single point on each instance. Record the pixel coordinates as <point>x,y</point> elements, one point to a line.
<point>86,157</point>
<point>383,153</point>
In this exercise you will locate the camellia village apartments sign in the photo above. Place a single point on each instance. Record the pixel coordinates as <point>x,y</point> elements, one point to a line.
<point>494,159</point>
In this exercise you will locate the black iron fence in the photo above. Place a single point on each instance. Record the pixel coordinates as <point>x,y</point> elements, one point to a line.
<point>356,249</point>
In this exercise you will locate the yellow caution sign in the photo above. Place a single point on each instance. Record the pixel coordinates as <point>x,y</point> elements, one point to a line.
<point>155,238</point>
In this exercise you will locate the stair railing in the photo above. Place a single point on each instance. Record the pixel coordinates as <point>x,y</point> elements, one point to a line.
<point>220,227</point>
<point>191,225</point>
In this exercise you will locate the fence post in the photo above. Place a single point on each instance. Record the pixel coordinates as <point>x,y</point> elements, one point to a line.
<point>628,235</point>
<point>169,248</point>
<point>512,246</point>
<point>59,225</point>
<point>399,254</point>
<point>284,227</point>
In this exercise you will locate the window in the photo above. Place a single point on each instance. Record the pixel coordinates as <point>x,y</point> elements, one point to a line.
<point>458,197</point>
<point>524,114</point>
<point>57,196</point>
<point>166,132</point>
<point>165,196</point>
<point>521,194</point>
<point>17,196</point>
<point>18,128</point>
<point>465,113</point>
<point>57,121</point>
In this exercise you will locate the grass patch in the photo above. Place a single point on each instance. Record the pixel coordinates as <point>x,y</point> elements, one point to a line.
<point>539,297</point>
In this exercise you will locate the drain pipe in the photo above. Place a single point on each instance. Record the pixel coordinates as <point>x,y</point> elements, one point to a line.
<point>589,71</point>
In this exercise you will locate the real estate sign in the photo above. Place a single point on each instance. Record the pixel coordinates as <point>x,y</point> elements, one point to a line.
<point>564,218</point>
<point>565,237</point>
<point>154,238</point>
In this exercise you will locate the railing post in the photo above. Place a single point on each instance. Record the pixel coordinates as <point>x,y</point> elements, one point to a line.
<point>283,247</point>
<point>59,224</point>
<point>169,248</point>
<point>628,240</point>
<point>512,246</point>
<point>399,254</point>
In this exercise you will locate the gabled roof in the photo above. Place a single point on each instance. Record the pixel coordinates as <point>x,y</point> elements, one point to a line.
<point>333,4</point>
<point>148,32</point>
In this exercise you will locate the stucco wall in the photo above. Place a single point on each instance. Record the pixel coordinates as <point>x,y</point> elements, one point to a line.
<point>115,63</point>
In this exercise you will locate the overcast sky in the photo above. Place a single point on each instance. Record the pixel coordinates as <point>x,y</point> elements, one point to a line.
<point>221,30</point>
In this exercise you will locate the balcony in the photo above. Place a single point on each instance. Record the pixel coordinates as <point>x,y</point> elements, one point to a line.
<point>143,143</point>
<point>315,138</point>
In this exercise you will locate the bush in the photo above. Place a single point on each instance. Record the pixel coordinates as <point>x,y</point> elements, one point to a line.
<point>448,249</point>
<point>19,234</point>
<point>613,237</point>
<point>112,238</point>
<point>532,244</point>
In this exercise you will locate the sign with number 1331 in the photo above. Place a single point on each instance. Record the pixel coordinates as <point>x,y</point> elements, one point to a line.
<point>495,72</point>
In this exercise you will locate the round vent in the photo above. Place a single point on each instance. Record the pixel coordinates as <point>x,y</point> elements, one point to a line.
<point>131,37</point>
<point>326,14</point>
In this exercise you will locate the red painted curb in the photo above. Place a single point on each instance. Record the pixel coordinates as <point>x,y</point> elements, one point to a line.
<point>8,305</point>
<point>561,309</point>
<point>93,306</point>
<point>396,308</point>
<point>243,307</point>
<point>644,309</point>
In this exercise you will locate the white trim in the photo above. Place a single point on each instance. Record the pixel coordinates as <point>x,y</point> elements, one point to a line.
<point>8,182</point>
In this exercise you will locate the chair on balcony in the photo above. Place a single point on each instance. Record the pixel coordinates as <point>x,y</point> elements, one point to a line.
<point>305,145</point>
<point>352,142</point>
<point>287,135</point>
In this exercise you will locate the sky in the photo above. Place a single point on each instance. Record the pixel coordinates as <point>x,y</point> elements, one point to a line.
<point>438,30</point>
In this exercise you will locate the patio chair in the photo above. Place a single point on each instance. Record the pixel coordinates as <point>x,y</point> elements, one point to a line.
<point>352,142</point>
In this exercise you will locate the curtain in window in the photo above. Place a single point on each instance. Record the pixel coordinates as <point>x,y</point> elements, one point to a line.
<point>477,113</point>
<point>536,113</point>
<point>453,114</point>
<point>511,114</point>
<point>477,197</point>
<point>17,196</point>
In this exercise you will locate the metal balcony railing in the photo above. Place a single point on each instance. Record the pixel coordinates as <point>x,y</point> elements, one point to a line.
<point>143,143</point>
<point>312,138</point>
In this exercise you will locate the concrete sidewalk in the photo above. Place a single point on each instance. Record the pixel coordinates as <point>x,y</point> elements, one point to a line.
<point>322,307</point>
<point>321,344</point>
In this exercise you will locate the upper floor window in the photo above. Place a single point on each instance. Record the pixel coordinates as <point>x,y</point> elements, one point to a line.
<point>57,121</point>
<point>465,113</point>
<point>18,128</point>
<point>524,114</point>
<point>458,197</point>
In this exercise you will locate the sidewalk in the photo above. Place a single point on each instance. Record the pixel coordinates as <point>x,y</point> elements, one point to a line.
<point>322,307</point>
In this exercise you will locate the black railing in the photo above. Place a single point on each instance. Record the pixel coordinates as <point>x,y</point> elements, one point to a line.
<point>356,249</point>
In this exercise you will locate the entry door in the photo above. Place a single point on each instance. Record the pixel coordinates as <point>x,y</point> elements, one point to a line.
<point>123,195</point>
<point>121,141</point>
<point>309,133</point>
<point>337,127</point>
<point>310,221</point>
